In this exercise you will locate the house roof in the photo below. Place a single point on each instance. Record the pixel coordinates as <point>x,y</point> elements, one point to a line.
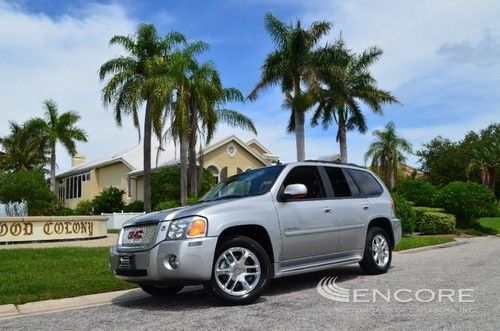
<point>132,157</point>
<point>239,142</point>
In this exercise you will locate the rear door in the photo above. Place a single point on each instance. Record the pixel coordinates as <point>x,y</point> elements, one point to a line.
<point>348,206</point>
<point>308,225</point>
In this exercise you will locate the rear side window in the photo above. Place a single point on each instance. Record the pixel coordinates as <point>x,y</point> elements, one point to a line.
<point>342,186</point>
<point>368,184</point>
<point>309,176</point>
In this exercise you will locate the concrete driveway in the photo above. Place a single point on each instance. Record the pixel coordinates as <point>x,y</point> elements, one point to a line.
<point>294,303</point>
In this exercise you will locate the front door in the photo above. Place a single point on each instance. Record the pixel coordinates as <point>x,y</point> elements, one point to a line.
<point>308,225</point>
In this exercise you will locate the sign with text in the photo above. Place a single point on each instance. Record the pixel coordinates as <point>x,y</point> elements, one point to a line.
<point>18,229</point>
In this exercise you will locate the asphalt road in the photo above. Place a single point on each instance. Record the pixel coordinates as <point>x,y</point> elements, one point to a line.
<point>294,303</point>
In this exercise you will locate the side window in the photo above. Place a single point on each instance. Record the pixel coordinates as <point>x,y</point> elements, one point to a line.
<point>366,182</point>
<point>309,176</point>
<point>339,182</point>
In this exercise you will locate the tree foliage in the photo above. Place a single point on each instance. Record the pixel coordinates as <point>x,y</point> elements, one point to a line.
<point>110,200</point>
<point>29,186</point>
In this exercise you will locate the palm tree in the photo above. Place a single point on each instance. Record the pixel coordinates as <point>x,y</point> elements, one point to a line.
<point>291,65</point>
<point>386,152</point>
<point>61,128</point>
<point>344,85</point>
<point>139,78</point>
<point>25,146</point>
<point>207,109</point>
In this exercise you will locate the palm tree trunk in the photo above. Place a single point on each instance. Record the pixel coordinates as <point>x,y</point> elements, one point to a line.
<point>299,118</point>
<point>184,180</point>
<point>200,169</point>
<point>343,142</point>
<point>53,168</point>
<point>193,187</point>
<point>147,158</point>
<point>390,173</point>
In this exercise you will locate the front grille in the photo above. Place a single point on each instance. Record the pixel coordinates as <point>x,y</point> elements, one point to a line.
<point>132,273</point>
<point>137,236</point>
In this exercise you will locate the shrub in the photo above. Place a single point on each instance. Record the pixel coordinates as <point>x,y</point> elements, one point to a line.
<point>174,203</point>
<point>29,186</point>
<point>167,205</point>
<point>63,211</point>
<point>165,184</point>
<point>84,207</point>
<point>405,213</point>
<point>419,213</point>
<point>134,207</point>
<point>110,200</point>
<point>420,192</point>
<point>467,201</point>
<point>437,223</point>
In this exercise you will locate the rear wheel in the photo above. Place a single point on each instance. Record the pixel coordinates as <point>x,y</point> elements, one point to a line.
<point>377,255</point>
<point>158,290</point>
<point>241,271</point>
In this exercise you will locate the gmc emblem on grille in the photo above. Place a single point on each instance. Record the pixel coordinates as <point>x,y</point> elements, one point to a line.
<point>136,234</point>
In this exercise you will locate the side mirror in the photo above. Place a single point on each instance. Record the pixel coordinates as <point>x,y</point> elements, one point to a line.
<point>294,191</point>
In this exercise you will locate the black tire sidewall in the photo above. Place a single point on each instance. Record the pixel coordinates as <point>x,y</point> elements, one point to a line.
<point>368,263</point>
<point>265,267</point>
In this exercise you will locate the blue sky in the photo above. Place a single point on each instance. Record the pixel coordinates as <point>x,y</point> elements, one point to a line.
<point>441,59</point>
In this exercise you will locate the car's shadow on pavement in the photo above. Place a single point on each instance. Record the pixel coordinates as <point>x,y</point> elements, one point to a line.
<point>196,297</point>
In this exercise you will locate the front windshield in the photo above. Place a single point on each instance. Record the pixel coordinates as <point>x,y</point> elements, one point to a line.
<point>245,184</point>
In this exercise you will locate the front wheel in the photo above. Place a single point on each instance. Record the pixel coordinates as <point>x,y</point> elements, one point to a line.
<point>377,255</point>
<point>241,271</point>
<point>157,290</point>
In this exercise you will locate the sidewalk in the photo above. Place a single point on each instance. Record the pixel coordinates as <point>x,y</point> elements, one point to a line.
<point>103,242</point>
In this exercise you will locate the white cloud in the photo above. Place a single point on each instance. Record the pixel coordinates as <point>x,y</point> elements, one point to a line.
<point>42,57</point>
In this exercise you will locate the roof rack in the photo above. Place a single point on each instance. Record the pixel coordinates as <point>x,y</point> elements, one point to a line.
<point>335,162</point>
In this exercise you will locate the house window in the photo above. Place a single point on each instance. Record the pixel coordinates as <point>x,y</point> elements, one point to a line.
<point>215,172</point>
<point>129,186</point>
<point>223,174</point>
<point>72,187</point>
<point>238,171</point>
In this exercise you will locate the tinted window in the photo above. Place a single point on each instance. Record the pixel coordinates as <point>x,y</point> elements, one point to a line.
<point>368,184</point>
<point>339,182</point>
<point>309,176</point>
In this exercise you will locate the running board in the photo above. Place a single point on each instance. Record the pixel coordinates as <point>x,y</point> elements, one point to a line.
<point>313,267</point>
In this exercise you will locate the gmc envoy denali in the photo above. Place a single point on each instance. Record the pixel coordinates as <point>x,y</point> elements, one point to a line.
<point>265,223</point>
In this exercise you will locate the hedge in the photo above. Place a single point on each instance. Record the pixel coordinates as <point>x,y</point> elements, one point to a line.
<point>405,213</point>
<point>420,192</point>
<point>437,223</point>
<point>419,214</point>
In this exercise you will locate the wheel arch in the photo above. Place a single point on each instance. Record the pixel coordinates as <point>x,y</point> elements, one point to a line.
<point>385,224</point>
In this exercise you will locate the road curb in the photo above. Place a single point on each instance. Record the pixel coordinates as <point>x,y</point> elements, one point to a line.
<point>46,306</point>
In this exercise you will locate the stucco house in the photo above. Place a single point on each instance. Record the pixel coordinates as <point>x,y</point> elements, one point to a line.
<point>124,170</point>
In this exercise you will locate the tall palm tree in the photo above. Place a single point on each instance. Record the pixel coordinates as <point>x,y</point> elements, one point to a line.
<point>386,152</point>
<point>292,65</point>
<point>138,78</point>
<point>344,85</point>
<point>207,110</point>
<point>61,128</point>
<point>25,146</point>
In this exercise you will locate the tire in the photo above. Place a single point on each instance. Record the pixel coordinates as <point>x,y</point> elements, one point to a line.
<point>373,264</point>
<point>161,291</point>
<point>239,260</point>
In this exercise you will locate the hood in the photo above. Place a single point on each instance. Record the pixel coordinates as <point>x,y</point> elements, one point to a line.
<point>170,214</point>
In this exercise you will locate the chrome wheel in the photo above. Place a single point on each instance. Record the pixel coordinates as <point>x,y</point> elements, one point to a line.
<point>237,271</point>
<point>380,251</point>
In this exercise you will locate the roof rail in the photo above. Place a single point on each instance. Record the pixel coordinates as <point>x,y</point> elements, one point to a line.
<point>335,162</point>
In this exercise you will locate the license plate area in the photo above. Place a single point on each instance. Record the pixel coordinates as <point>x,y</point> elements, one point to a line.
<point>126,261</point>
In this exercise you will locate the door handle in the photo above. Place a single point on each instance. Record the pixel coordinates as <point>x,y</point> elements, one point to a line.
<point>365,207</point>
<point>327,210</point>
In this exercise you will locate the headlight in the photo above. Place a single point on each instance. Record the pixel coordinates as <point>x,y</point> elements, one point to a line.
<point>190,227</point>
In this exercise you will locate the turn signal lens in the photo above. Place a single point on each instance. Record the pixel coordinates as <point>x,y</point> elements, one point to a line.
<point>198,228</point>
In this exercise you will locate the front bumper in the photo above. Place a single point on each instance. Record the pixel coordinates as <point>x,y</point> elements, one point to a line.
<point>396,230</point>
<point>195,258</point>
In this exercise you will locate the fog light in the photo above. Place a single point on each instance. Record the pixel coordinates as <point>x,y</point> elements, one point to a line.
<point>173,261</point>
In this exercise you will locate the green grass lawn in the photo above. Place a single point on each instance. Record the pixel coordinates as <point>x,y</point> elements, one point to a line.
<point>490,222</point>
<point>114,230</point>
<point>421,241</point>
<point>38,274</point>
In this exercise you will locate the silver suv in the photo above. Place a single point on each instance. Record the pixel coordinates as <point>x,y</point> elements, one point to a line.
<point>262,224</point>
